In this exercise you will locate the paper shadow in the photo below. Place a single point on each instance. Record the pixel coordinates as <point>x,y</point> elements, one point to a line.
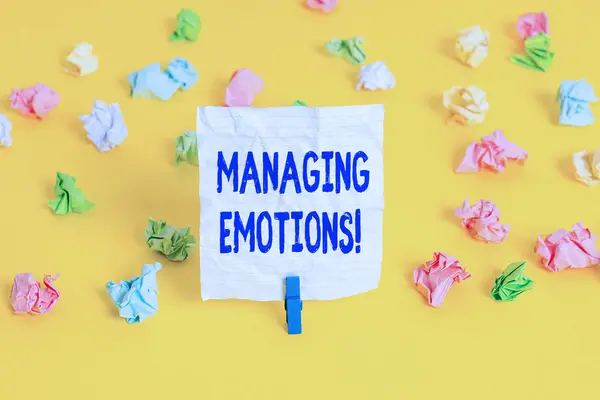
<point>111,308</point>
<point>459,155</point>
<point>277,311</point>
<point>170,26</point>
<point>436,105</point>
<point>7,295</point>
<point>552,108</point>
<point>566,168</point>
<point>486,289</point>
<point>447,48</point>
<point>124,83</point>
<point>448,215</point>
<point>510,30</point>
<point>76,129</point>
<point>217,92</point>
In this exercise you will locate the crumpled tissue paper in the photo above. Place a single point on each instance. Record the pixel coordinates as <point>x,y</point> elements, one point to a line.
<point>188,26</point>
<point>105,125</point>
<point>137,298</point>
<point>5,130</point>
<point>323,5</point>
<point>512,282</point>
<point>435,278</point>
<point>533,24</point>
<point>574,98</point>
<point>493,152</point>
<point>538,53</point>
<point>172,242</point>
<point>186,148</point>
<point>69,198</point>
<point>28,295</point>
<point>472,46</point>
<point>349,49</point>
<point>243,87</point>
<point>36,101</point>
<point>153,83</point>
<point>482,221</point>
<point>467,106</point>
<point>564,250</point>
<point>587,166</point>
<point>375,76</point>
<point>82,59</point>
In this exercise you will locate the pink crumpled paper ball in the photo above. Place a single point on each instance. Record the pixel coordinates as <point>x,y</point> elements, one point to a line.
<point>28,296</point>
<point>493,152</point>
<point>323,5</point>
<point>533,24</point>
<point>564,250</point>
<point>243,88</point>
<point>36,101</point>
<point>435,278</point>
<point>482,221</point>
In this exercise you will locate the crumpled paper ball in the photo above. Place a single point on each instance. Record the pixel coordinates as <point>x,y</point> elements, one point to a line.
<point>105,125</point>
<point>188,26</point>
<point>323,5</point>
<point>375,76</point>
<point>186,148</point>
<point>533,24</point>
<point>29,296</point>
<point>566,250</point>
<point>5,130</point>
<point>435,278</point>
<point>587,166</point>
<point>538,56</point>
<point>467,106</point>
<point>349,49</point>
<point>153,83</point>
<point>482,221</point>
<point>83,60</point>
<point>69,198</point>
<point>493,152</point>
<point>170,241</point>
<point>472,46</point>
<point>574,98</point>
<point>243,88</point>
<point>183,72</point>
<point>511,283</point>
<point>137,298</point>
<point>36,101</point>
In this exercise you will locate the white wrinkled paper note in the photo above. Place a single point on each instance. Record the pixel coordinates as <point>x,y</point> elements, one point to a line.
<point>351,131</point>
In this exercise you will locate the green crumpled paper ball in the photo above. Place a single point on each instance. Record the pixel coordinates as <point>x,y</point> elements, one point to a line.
<point>188,26</point>
<point>349,49</point>
<point>512,282</point>
<point>69,198</point>
<point>172,242</point>
<point>186,148</point>
<point>538,53</point>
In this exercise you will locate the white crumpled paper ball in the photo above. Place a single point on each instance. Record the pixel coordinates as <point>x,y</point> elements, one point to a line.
<point>5,129</point>
<point>375,76</point>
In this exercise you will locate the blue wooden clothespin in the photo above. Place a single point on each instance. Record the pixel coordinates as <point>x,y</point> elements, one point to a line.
<point>293,305</point>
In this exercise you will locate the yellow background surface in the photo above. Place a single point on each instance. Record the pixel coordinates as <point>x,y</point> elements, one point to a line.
<point>386,344</point>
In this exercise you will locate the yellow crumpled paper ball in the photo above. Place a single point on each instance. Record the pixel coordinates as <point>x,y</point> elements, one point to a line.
<point>467,106</point>
<point>472,46</point>
<point>587,166</point>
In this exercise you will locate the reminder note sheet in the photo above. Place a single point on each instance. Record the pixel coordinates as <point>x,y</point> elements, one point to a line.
<point>290,191</point>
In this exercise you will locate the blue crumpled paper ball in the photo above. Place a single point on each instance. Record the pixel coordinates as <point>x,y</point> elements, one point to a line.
<point>153,83</point>
<point>574,98</point>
